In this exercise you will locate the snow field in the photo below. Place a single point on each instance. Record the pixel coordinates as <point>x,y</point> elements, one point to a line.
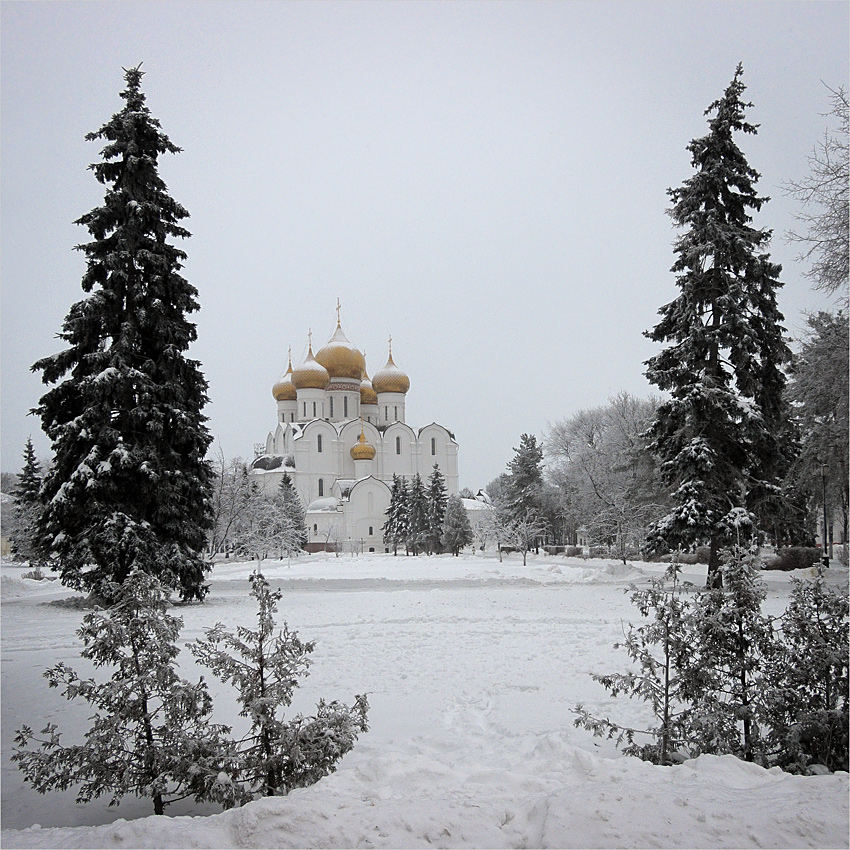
<point>471,667</point>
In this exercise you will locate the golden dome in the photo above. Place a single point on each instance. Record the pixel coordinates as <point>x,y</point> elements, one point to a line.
<point>390,379</point>
<point>284,389</point>
<point>340,357</point>
<point>362,450</point>
<point>310,374</point>
<point>367,391</point>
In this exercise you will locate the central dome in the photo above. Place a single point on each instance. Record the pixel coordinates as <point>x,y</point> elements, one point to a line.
<point>363,449</point>
<point>341,358</point>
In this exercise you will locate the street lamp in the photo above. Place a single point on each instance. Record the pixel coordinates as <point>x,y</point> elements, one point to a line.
<point>825,535</point>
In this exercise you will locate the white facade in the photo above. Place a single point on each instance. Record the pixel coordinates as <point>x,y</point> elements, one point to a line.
<point>341,437</point>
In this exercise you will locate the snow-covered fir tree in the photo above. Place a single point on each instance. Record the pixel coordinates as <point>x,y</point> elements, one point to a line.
<point>129,487</point>
<point>436,508</point>
<point>395,527</point>
<point>293,511</point>
<point>525,478</point>
<point>27,542</point>
<point>151,733</point>
<point>417,515</point>
<point>722,436</point>
<point>264,665</point>
<point>457,530</point>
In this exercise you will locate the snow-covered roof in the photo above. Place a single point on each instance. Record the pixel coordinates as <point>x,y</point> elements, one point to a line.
<point>326,503</point>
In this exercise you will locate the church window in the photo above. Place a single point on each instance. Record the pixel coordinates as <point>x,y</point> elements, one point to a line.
<point>370,531</point>
<point>345,407</point>
<point>314,410</point>
<point>398,445</point>
<point>395,411</point>
<point>332,407</point>
<point>305,409</point>
<point>319,443</point>
<point>321,487</point>
<point>386,412</point>
<point>433,445</point>
<point>315,528</point>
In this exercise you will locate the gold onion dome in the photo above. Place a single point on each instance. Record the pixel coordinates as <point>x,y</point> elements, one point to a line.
<point>310,374</point>
<point>284,389</point>
<point>341,358</point>
<point>390,379</point>
<point>367,391</point>
<point>362,449</point>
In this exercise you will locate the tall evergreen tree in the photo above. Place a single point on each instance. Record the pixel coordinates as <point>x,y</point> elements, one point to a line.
<point>395,527</point>
<point>721,438</point>
<point>525,477</point>
<point>417,515</point>
<point>293,510</point>
<point>130,488</point>
<point>25,538</point>
<point>436,508</point>
<point>457,530</point>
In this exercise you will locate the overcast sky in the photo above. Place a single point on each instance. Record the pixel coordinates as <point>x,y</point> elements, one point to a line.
<point>487,182</point>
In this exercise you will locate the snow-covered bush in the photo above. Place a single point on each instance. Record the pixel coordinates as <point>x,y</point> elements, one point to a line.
<point>808,680</point>
<point>151,733</point>
<point>658,648</point>
<point>277,755</point>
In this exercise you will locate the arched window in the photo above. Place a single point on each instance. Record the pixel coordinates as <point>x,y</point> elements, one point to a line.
<point>398,445</point>
<point>321,487</point>
<point>332,407</point>
<point>395,412</point>
<point>314,410</point>
<point>345,407</point>
<point>433,445</point>
<point>319,443</point>
<point>370,531</point>
<point>386,412</point>
<point>305,409</point>
<point>315,528</point>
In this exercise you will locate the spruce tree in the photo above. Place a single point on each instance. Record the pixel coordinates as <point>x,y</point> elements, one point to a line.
<point>293,511</point>
<point>457,530</point>
<point>395,527</point>
<point>525,477</point>
<point>130,488</point>
<point>721,437</point>
<point>436,508</point>
<point>417,515</point>
<point>25,537</point>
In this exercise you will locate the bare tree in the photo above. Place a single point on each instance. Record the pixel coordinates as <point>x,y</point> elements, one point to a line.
<point>823,195</point>
<point>607,479</point>
<point>231,498</point>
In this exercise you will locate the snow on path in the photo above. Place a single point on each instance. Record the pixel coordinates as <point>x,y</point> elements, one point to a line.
<point>472,668</point>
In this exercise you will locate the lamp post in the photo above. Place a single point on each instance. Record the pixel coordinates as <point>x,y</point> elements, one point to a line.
<point>825,535</point>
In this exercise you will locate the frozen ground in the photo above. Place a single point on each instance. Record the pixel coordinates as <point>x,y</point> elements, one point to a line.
<point>471,667</point>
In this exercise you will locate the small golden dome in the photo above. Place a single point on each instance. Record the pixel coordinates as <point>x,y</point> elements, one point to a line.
<point>310,374</point>
<point>390,379</point>
<point>367,391</point>
<point>284,389</point>
<point>340,357</point>
<point>362,450</point>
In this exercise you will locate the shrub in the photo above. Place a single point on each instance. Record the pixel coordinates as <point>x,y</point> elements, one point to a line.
<point>793,558</point>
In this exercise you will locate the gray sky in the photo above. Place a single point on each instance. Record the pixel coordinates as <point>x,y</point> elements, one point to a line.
<point>484,181</point>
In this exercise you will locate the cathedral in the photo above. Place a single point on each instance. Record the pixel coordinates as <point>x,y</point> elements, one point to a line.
<point>341,437</point>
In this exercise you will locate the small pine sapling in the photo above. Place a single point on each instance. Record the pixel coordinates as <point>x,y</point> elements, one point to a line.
<point>151,735</point>
<point>724,672</point>
<point>277,755</point>
<point>808,680</point>
<point>658,648</point>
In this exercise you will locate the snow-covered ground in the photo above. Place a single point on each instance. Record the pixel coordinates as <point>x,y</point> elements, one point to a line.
<point>472,668</point>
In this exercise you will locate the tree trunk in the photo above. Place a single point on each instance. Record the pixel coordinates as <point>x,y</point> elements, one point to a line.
<point>714,578</point>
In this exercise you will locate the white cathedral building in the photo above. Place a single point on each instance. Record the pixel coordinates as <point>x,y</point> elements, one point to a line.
<point>341,437</point>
